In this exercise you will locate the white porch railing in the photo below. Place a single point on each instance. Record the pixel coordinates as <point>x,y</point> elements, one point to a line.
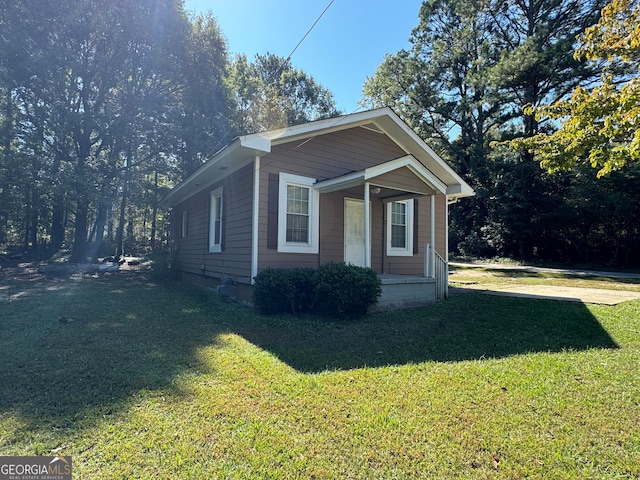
<point>436,267</point>
<point>442,277</point>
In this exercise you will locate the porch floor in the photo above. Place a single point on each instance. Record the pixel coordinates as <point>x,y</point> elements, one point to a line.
<point>391,279</point>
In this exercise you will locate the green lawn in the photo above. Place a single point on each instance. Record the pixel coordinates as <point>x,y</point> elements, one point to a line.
<point>476,277</point>
<point>148,379</point>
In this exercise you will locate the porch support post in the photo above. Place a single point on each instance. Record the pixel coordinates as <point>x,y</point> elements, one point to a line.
<point>432,236</point>
<point>255,218</point>
<point>367,227</point>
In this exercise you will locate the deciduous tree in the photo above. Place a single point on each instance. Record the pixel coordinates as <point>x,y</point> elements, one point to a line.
<point>271,93</point>
<point>472,67</point>
<point>600,124</point>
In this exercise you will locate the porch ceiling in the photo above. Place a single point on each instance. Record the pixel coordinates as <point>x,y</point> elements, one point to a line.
<point>385,194</point>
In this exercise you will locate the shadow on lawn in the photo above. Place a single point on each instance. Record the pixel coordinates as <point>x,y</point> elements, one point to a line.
<point>77,351</point>
<point>467,327</point>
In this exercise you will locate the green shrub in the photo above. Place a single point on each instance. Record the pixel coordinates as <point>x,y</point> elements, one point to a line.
<point>304,284</point>
<point>346,289</point>
<point>273,291</point>
<point>162,268</point>
<point>333,289</point>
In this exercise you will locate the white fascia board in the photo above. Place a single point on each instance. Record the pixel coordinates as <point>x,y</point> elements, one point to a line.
<point>340,183</point>
<point>322,127</point>
<point>258,142</point>
<point>422,148</point>
<point>234,152</point>
<point>179,192</point>
<point>460,191</point>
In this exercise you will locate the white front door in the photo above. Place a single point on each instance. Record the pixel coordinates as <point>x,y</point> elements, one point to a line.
<point>354,252</point>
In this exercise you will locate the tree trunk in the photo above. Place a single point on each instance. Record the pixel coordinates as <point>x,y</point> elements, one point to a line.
<point>144,228</point>
<point>120,229</point>
<point>98,230</point>
<point>80,245</point>
<point>130,239</point>
<point>33,234</point>
<point>27,221</point>
<point>154,213</point>
<point>110,225</point>
<point>57,223</point>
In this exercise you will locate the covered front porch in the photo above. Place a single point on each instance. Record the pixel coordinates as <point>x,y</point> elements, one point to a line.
<point>392,218</point>
<point>406,291</point>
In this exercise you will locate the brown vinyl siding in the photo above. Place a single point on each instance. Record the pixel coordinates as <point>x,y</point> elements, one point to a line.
<point>414,265</point>
<point>332,228</point>
<point>332,233</point>
<point>235,260</point>
<point>325,156</point>
<point>322,157</point>
<point>377,234</point>
<point>335,154</point>
<point>190,248</point>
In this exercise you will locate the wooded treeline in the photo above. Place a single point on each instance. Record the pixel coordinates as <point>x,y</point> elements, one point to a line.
<point>473,68</point>
<point>105,104</point>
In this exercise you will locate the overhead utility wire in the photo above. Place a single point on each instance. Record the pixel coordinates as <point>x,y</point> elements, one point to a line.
<point>275,74</point>
<point>310,29</point>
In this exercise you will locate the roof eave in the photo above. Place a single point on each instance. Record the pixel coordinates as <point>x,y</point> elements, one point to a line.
<point>233,156</point>
<point>247,147</point>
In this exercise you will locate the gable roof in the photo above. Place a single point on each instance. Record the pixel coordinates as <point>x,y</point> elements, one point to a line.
<point>243,150</point>
<point>369,175</point>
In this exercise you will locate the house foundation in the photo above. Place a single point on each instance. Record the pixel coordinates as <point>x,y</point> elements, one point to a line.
<point>402,291</point>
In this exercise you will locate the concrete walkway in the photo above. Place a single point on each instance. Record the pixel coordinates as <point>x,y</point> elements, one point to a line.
<point>550,292</point>
<point>567,294</point>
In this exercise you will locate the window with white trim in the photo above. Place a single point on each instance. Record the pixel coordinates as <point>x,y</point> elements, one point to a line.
<point>400,228</point>
<point>298,214</point>
<point>215,221</point>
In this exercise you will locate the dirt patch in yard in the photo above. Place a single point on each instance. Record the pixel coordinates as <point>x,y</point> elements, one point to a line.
<point>20,279</point>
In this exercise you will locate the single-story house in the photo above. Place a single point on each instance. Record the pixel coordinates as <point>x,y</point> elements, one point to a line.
<point>362,188</point>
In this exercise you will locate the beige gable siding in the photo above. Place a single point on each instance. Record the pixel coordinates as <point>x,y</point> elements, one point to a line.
<point>235,260</point>
<point>403,178</point>
<point>332,155</point>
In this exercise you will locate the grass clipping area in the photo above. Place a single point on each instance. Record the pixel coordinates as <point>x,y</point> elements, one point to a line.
<point>142,379</point>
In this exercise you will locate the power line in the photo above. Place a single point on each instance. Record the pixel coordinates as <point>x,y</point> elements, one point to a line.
<point>310,29</point>
<point>275,74</point>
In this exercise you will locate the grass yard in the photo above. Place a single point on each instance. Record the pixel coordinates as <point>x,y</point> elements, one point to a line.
<point>481,278</point>
<point>136,378</point>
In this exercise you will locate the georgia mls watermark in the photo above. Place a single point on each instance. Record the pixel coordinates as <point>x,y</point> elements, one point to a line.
<point>35,468</point>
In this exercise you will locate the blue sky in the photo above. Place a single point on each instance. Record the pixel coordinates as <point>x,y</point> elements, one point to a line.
<point>344,48</point>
